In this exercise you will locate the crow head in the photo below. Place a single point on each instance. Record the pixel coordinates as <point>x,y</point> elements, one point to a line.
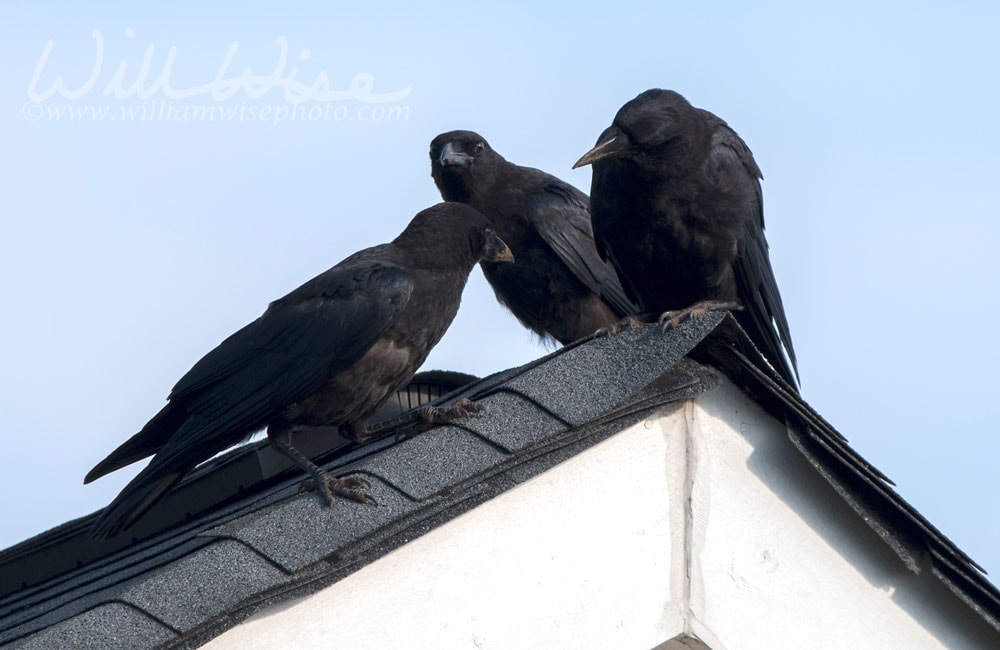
<point>654,131</point>
<point>451,236</point>
<point>462,163</point>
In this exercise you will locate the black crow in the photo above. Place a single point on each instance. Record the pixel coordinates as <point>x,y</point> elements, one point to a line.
<point>557,286</point>
<point>677,209</point>
<point>328,353</point>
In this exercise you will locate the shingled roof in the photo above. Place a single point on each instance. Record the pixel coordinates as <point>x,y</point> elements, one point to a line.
<point>237,536</point>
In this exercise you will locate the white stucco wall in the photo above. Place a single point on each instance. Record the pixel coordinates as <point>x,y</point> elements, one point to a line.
<point>780,561</point>
<point>700,527</point>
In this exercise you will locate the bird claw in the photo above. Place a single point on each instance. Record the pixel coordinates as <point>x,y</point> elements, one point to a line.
<point>352,488</point>
<point>672,319</point>
<point>431,416</point>
<point>443,414</point>
<point>627,323</point>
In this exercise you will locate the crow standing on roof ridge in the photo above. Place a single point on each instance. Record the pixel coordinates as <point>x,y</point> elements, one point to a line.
<point>330,352</point>
<point>558,286</point>
<point>677,209</point>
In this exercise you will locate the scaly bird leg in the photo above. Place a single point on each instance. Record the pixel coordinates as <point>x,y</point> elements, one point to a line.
<point>368,432</point>
<point>432,416</point>
<point>444,414</point>
<point>419,420</point>
<point>672,319</point>
<point>352,488</point>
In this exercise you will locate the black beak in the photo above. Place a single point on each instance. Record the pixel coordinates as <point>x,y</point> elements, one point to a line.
<point>611,143</point>
<point>496,250</point>
<point>451,156</point>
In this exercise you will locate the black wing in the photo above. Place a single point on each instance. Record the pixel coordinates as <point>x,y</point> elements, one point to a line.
<point>561,215</point>
<point>285,355</point>
<point>301,340</point>
<point>763,316</point>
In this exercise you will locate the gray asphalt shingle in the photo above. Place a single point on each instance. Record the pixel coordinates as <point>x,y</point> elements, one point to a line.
<point>266,543</point>
<point>302,530</point>
<point>112,626</point>
<point>212,580</point>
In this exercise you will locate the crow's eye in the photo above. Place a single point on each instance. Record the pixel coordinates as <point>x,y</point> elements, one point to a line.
<point>480,147</point>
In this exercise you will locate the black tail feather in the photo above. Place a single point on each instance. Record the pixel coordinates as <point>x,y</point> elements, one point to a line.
<point>138,497</point>
<point>147,442</point>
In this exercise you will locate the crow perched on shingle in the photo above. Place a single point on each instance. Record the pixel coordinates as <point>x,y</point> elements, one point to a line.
<point>328,353</point>
<point>677,209</point>
<point>557,286</point>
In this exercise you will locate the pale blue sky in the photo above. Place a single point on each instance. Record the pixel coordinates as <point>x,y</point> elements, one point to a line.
<point>130,248</point>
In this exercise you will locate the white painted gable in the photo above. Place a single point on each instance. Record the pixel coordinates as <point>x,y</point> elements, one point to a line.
<point>699,527</point>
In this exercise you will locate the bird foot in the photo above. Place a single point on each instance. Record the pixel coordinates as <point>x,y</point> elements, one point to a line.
<point>431,416</point>
<point>352,488</point>
<point>672,319</point>
<point>444,414</point>
<point>627,323</point>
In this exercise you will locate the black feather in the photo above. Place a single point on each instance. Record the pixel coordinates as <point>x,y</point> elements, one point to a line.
<point>558,285</point>
<point>328,353</point>
<point>677,209</point>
